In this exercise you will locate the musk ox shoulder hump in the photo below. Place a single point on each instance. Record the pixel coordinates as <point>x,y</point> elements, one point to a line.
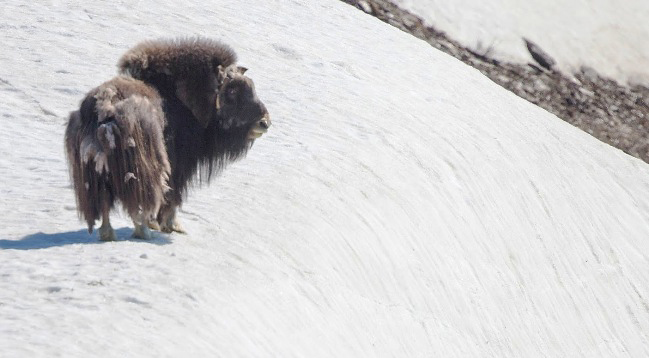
<point>176,58</point>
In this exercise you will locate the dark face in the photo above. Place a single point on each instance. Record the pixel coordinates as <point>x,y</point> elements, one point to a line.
<point>238,106</point>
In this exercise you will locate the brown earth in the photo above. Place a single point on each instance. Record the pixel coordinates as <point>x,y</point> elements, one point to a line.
<point>615,114</point>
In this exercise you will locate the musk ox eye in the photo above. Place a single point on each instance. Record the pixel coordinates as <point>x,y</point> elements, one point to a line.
<point>231,93</point>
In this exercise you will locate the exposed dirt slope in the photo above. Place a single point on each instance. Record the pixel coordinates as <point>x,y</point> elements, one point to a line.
<point>611,112</point>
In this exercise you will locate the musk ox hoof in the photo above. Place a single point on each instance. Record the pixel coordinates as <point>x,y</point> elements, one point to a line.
<point>106,233</point>
<point>153,225</point>
<point>142,232</point>
<point>173,226</point>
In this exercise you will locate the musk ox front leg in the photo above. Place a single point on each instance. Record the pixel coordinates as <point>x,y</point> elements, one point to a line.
<point>141,224</point>
<point>168,222</point>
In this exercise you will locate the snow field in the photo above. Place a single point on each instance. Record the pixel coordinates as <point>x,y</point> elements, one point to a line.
<point>401,205</point>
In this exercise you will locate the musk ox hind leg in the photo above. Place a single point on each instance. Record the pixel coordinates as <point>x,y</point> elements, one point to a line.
<point>144,177</point>
<point>116,152</point>
<point>106,232</point>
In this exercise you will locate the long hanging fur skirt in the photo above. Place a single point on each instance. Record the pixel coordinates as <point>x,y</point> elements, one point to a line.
<point>116,150</point>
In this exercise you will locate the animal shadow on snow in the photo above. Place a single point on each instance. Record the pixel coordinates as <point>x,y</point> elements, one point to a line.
<point>42,240</point>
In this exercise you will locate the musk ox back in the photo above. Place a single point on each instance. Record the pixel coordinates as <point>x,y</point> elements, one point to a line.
<point>180,110</point>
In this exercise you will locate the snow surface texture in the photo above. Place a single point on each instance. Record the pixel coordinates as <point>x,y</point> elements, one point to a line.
<point>402,205</point>
<point>607,35</point>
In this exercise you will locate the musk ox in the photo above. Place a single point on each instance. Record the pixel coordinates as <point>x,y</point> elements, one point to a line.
<point>179,110</point>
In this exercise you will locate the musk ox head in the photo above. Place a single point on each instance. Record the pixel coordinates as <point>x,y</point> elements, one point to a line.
<point>237,104</point>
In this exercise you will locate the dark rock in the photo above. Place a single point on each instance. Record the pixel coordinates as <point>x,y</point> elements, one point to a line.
<point>540,56</point>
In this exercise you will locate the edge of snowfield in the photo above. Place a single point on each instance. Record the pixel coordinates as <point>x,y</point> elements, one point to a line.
<point>401,205</point>
<point>603,34</point>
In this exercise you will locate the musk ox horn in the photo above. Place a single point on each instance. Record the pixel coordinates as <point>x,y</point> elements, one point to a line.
<point>225,73</point>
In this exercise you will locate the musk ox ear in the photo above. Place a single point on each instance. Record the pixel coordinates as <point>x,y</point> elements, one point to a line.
<point>241,70</point>
<point>199,96</point>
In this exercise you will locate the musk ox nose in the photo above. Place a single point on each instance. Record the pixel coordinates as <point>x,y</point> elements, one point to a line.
<point>264,122</point>
<point>260,127</point>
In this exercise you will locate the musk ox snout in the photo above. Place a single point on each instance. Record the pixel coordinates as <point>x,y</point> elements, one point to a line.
<point>260,127</point>
<point>264,122</point>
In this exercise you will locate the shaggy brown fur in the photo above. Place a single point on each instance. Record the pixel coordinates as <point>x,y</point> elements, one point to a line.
<point>185,68</point>
<point>195,76</point>
<point>115,148</point>
<point>181,107</point>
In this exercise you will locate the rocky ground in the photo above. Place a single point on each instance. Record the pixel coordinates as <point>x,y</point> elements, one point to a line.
<point>611,112</point>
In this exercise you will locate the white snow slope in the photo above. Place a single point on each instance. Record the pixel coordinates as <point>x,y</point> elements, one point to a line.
<point>402,205</point>
<point>607,35</point>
